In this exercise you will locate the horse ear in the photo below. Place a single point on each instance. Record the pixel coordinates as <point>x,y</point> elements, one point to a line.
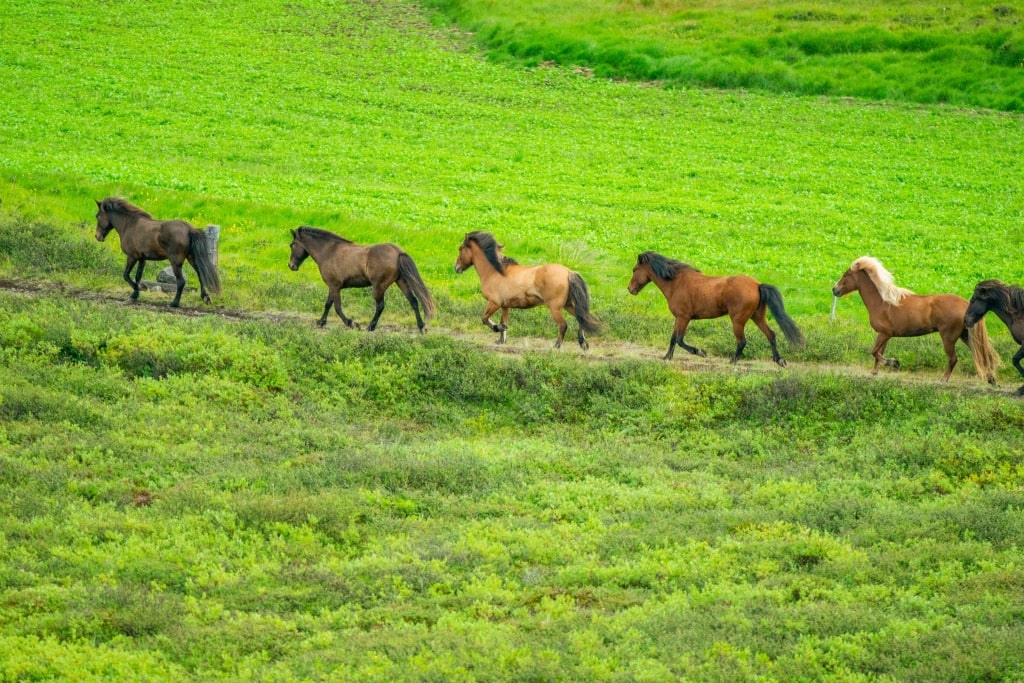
<point>295,235</point>
<point>99,205</point>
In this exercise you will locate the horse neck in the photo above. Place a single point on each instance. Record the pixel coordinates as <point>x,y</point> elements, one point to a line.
<point>123,222</point>
<point>869,293</point>
<point>669,286</point>
<point>319,248</point>
<point>483,266</point>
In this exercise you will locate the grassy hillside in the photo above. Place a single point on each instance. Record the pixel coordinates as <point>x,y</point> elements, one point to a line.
<point>228,493</point>
<point>203,499</point>
<point>966,53</point>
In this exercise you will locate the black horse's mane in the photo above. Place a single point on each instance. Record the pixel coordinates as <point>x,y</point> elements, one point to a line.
<point>119,205</point>
<point>491,249</point>
<point>326,235</point>
<point>664,267</point>
<point>1009,298</point>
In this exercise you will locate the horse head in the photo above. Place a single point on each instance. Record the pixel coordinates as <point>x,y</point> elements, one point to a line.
<point>103,224</point>
<point>298,252</point>
<point>464,260</point>
<point>984,297</point>
<point>846,284</point>
<point>642,274</point>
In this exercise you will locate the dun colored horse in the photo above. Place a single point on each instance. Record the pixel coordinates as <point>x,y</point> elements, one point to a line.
<point>897,312</point>
<point>692,295</point>
<point>344,264</point>
<point>1007,302</point>
<point>143,238</point>
<point>506,284</point>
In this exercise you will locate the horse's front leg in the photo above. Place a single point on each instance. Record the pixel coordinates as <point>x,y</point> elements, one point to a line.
<point>878,351</point>
<point>486,318</point>
<point>504,325</point>
<point>1017,364</point>
<point>678,332</point>
<point>949,345</point>
<point>128,275</point>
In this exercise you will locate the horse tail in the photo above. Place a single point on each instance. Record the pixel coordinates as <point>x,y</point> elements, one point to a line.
<point>579,299</point>
<point>411,275</point>
<point>986,360</point>
<point>771,297</point>
<point>205,266</point>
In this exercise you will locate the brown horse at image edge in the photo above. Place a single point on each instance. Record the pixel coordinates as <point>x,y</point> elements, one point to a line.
<point>506,285</point>
<point>692,295</point>
<point>1007,302</point>
<point>897,312</point>
<point>144,238</point>
<point>344,264</point>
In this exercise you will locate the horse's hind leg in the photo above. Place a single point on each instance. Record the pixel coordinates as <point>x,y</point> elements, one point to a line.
<point>202,285</point>
<point>413,301</point>
<point>559,319</point>
<point>761,321</point>
<point>378,300</point>
<point>179,279</point>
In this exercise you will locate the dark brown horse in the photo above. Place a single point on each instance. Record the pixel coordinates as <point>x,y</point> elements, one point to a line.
<point>506,284</point>
<point>692,295</point>
<point>897,312</point>
<point>344,264</point>
<point>1007,302</point>
<point>144,238</point>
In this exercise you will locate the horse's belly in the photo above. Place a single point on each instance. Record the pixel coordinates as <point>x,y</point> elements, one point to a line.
<point>524,301</point>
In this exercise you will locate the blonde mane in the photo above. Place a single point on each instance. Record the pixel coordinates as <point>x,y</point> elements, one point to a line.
<point>887,289</point>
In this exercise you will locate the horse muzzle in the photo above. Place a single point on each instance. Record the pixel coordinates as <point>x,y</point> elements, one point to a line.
<point>837,292</point>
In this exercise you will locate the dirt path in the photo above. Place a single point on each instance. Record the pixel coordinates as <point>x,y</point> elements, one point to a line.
<point>600,350</point>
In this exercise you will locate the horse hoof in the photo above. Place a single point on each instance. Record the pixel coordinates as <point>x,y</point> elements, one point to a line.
<point>895,364</point>
<point>321,323</point>
<point>781,362</point>
<point>1020,392</point>
<point>585,346</point>
<point>704,354</point>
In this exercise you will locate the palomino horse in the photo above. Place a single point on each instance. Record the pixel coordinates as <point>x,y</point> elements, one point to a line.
<point>344,264</point>
<point>1007,302</point>
<point>694,296</point>
<point>897,312</point>
<point>506,284</point>
<point>143,238</point>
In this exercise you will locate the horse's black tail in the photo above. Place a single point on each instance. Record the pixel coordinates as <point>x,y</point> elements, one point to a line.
<point>771,297</point>
<point>407,271</point>
<point>579,299</point>
<point>205,267</point>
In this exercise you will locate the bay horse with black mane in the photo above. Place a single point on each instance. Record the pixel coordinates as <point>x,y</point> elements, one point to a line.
<point>692,295</point>
<point>506,284</point>
<point>344,264</point>
<point>144,238</point>
<point>897,312</point>
<point>1007,302</point>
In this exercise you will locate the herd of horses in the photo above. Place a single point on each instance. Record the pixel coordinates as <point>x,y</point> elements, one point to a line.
<point>505,284</point>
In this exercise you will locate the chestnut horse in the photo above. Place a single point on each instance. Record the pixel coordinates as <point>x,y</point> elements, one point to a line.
<point>143,238</point>
<point>506,284</point>
<point>344,264</point>
<point>692,295</point>
<point>1007,302</point>
<point>897,312</point>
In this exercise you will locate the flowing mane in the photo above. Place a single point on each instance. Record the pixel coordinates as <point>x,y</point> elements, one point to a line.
<point>1000,295</point>
<point>882,278</point>
<point>323,235</point>
<point>491,249</point>
<point>119,205</point>
<point>664,267</point>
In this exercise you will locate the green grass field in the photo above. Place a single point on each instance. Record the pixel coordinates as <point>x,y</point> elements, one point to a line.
<point>228,493</point>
